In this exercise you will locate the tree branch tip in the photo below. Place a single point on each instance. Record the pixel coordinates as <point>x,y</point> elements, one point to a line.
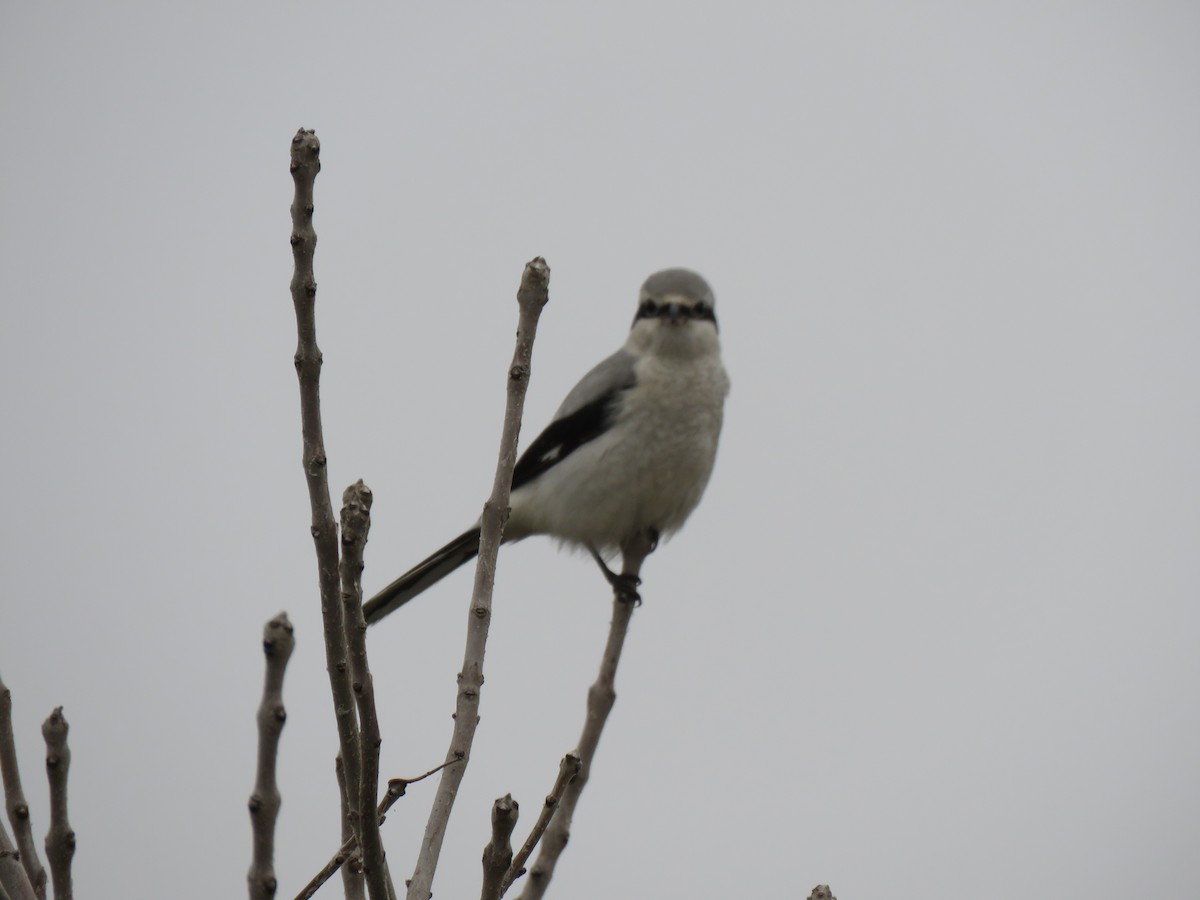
<point>307,136</point>
<point>397,787</point>
<point>55,727</point>
<point>358,493</point>
<point>402,783</point>
<point>356,522</point>
<point>506,806</point>
<point>535,284</point>
<point>306,158</point>
<point>279,637</point>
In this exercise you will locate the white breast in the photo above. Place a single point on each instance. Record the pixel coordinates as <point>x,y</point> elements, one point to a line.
<point>648,471</point>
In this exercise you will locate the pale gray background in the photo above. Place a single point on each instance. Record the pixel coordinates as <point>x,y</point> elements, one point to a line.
<point>933,632</point>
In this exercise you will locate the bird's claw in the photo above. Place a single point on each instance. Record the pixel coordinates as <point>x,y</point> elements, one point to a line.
<point>624,584</point>
<point>625,587</point>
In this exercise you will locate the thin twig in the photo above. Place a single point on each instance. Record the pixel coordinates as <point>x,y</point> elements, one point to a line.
<point>356,523</point>
<point>353,886</point>
<point>14,797</point>
<point>568,769</point>
<point>396,789</point>
<point>305,164</point>
<point>278,643</point>
<point>601,696</point>
<point>14,881</point>
<point>498,854</point>
<point>532,296</point>
<point>60,838</point>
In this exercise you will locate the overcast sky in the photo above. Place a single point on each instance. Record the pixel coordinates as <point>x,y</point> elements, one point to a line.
<point>933,631</point>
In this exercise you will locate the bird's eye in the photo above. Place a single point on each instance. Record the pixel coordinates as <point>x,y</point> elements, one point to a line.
<point>700,310</point>
<point>648,308</point>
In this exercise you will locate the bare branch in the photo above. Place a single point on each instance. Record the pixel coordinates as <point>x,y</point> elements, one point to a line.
<point>568,769</point>
<point>353,885</point>
<point>60,838</point>
<point>498,855</point>
<point>601,697</point>
<point>396,789</point>
<point>327,871</point>
<point>305,164</point>
<point>278,643</point>
<point>356,523</point>
<point>14,797</point>
<point>532,296</point>
<point>14,881</point>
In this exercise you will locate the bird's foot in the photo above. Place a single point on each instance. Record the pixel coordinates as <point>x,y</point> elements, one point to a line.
<point>624,584</point>
<point>625,587</point>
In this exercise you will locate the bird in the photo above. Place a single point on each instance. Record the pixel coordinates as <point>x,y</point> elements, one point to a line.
<point>628,453</point>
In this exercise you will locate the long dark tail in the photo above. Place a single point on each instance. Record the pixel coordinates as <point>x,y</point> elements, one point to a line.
<point>424,574</point>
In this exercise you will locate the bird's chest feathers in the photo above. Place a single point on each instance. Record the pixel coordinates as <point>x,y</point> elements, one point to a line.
<point>677,408</point>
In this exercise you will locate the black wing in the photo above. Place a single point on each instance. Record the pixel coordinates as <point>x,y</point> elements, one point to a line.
<point>564,436</point>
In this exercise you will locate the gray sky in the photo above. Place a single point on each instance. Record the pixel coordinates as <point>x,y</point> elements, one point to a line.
<point>933,632</point>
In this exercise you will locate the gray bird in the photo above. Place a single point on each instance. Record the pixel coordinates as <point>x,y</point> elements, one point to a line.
<point>628,453</point>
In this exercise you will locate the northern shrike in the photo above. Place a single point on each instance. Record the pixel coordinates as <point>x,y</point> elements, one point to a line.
<point>628,453</point>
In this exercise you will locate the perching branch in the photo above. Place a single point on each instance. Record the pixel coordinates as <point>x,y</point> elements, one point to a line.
<point>278,643</point>
<point>568,769</point>
<point>498,854</point>
<point>305,164</point>
<point>601,696</point>
<point>14,798</point>
<point>396,789</point>
<point>60,838</point>
<point>532,296</point>
<point>356,523</point>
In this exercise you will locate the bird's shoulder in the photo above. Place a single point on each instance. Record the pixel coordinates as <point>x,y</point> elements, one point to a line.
<point>586,413</point>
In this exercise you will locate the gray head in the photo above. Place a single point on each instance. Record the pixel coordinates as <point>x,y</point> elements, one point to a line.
<point>676,295</point>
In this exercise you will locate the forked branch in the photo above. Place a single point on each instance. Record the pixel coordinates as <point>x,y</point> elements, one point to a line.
<point>14,799</point>
<point>601,697</point>
<point>305,164</point>
<point>396,789</point>
<point>568,769</point>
